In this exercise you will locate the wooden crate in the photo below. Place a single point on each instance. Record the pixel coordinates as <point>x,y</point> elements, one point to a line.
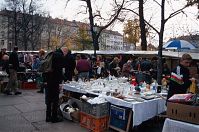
<point>92,123</point>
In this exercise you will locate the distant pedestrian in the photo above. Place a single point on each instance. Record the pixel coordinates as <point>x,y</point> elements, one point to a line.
<point>41,78</point>
<point>165,70</point>
<point>83,66</point>
<point>13,67</point>
<point>114,67</point>
<point>70,65</point>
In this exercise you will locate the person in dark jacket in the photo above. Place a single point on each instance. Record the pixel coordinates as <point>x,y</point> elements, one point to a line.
<point>13,67</point>
<point>70,65</point>
<point>114,67</point>
<point>83,66</point>
<point>165,70</point>
<point>41,78</point>
<point>54,78</point>
<point>180,79</point>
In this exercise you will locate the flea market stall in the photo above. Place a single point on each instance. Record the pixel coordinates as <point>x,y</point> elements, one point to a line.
<point>115,99</point>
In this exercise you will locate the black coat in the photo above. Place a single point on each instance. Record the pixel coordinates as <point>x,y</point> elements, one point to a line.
<point>14,61</point>
<point>176,88</point>
<point>70,64</point>
<point>58,65</point>
<point>55,77</point>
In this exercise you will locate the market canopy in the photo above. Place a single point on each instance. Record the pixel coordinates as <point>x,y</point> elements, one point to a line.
<point>178,45</point>
<point>139,53</point>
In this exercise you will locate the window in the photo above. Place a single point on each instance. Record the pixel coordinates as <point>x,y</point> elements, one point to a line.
<point>2,42</point>
<point>2,34</point>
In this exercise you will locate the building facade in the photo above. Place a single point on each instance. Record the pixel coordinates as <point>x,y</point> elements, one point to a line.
<point>48,33</point>
<point>4,41</point>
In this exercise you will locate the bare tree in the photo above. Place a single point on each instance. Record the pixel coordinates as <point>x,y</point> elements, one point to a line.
<point>142,25</point>
<point>96,16</point>
<point>160,31</point>
<point>13,29</point>
<point>25,24</point>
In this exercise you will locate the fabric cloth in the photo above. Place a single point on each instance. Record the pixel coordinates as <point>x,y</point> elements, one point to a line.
<point>179,126</point>
<point>142,111</point>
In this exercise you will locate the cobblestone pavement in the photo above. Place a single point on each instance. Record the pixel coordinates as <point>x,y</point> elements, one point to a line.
<point>26,113</point>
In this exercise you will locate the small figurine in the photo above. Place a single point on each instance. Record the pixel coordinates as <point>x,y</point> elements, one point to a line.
<point>164,83</point>
<point>193,87</point>
<point>133,81</point>
<point>137,89</point>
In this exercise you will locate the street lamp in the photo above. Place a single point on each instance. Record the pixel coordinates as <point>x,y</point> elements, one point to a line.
<point>95,39</point>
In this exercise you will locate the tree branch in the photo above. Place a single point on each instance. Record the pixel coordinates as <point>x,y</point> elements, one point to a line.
<point>144,20</point>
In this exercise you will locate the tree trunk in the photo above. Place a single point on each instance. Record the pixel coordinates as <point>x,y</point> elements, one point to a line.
<point>15,27</point>
<point>92,25</point>
<point>159,69</point>
<point>142,26</point>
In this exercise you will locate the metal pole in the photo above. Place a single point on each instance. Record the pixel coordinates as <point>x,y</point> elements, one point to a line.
<point>95,47</point>
<point>95,44</point>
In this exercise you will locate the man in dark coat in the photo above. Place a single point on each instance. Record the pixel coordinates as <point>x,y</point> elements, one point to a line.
<point>54,78</point>
<point>13,67</point>
<point>70,65</point>
<point>180,79</point>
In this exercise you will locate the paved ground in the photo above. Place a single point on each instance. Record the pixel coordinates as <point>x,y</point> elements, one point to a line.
<point>26,113</point>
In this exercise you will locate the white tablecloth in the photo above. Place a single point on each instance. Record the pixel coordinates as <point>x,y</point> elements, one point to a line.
<point>179,126</point>
<point>77,89</point>
<point>142,111</point>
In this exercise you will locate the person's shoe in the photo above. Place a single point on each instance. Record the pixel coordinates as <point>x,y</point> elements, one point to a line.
<point>48,119</point>
<point>9,93</point>
<point>56,120</point>
<point>40,91</point>
<point>16,93</point>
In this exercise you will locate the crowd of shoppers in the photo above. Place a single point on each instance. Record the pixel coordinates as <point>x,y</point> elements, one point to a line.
<point>68,67</point>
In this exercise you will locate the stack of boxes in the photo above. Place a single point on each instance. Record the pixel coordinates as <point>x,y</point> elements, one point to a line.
<point>94,117</point>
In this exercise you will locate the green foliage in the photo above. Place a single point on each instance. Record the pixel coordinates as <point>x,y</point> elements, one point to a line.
<point>83,38</point>
<point>132,31</point>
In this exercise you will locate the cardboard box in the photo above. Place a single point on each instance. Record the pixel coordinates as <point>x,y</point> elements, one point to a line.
<point>196,76</point>
<point>183,112</point>
<point>193,70</point>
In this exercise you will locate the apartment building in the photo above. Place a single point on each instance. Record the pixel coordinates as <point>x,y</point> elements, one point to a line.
<point>49,33</point>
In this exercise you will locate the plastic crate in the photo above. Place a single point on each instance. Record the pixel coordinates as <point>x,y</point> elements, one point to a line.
<point>94,124</point>
<point>29,85</point>
<point>97,110</point>
<point>119,116</point>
